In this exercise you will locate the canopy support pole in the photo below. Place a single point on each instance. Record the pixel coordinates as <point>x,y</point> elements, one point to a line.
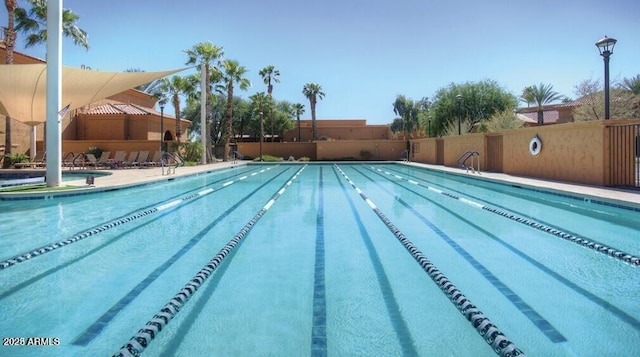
<point>54,93</point>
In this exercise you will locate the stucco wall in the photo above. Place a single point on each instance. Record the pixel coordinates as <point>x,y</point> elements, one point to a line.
<point>284,150</point>
<point>379,149</point>
<point>424,150</point>
<point>328,150</point>
<point>571,152</point>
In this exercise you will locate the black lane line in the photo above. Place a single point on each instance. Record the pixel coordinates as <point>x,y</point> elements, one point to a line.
<point>96,328</point>
<point>485,328</point>
<point>138,342</point>
<point>571,285</point>
<point>126,218</point>
<point>405,338</point>
<point>319,318</point>
<point>544,227</point>
<point>14,289</point>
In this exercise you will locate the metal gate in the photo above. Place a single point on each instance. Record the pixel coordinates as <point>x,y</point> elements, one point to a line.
<point>624,148</point>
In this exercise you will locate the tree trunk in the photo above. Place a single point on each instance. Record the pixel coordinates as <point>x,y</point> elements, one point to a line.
<point>314,127</point>
<point>227,139</point>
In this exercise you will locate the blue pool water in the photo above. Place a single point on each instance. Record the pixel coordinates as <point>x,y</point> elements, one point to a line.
<point>319,259</point>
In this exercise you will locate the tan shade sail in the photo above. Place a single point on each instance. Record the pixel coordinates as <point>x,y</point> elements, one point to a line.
<point>23,88</point>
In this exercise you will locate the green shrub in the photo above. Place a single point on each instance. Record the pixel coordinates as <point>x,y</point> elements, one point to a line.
<point>97,152</point>
<point>269,158</point>
<point>16,158</point>
<point>365,155</point>
<point>191,151</point>
<point>304,158</point>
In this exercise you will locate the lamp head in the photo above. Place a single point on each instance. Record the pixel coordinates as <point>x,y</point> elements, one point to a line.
<point>605,46</point>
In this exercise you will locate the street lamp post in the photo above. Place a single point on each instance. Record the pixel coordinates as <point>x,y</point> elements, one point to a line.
<point>162,103</point>
<point>459,100</point>
<point>261,134</point>
<point>605,46</point>
<point>429,120</point>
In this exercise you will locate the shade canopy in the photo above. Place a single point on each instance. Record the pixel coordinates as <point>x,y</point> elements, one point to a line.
<point>23,89</point>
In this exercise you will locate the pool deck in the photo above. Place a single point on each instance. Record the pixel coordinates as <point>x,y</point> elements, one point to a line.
<point>131,177</point>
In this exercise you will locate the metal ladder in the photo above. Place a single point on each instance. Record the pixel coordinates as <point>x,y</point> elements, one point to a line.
<point>470,154</point>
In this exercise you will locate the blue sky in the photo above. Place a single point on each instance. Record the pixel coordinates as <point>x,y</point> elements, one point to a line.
<point>364,53</point>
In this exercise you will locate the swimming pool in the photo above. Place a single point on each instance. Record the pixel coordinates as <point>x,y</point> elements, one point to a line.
<point>26,177</point>
<point>320,259</point>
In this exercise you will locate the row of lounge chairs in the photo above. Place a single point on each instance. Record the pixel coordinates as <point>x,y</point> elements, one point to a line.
<point>120,160</point>
<point>37,161</point>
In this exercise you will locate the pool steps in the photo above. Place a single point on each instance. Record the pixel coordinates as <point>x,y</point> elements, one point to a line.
<point>598,247</point>
<point>132,217</point>
<point>489,331</point>
<point>141,340</point>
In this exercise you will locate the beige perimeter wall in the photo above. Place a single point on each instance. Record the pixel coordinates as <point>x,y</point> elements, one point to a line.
<point>571,152</point>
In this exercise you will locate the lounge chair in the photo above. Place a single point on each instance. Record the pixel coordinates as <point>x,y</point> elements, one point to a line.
<point>104,159</point>
<point>89,160</point>
<point>155,160</point>
<point>118,159</point>
<point>37,161</point>
<point>143,157</point>
<point>131,160</point>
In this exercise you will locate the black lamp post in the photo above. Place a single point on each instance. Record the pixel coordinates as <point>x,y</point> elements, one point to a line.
<point>605,46</point>
<point>459,100</point>
<point>429,120</point>
<point>261,134</point>
<point>162,103</point>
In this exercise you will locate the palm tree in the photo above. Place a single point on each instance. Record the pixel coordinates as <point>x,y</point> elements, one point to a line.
<point>172,89</point>
<point>206,53</point>
<point>268,74</point>
<point>632,84</point>
<point>233,73</point>
<point>33,23</point>
<point>298,110</point>
<point>313,91</point>
<point>543,94</point>
<point>260,99</point>
<point>527,95</point>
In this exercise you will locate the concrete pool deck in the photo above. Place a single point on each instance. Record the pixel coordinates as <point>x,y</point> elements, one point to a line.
<point>122,178</point>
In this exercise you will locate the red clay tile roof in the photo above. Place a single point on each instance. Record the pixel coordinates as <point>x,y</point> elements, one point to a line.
<point>550,116</point>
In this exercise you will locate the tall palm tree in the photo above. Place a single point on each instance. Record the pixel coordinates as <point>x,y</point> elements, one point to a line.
<point>206,53</point>
<point>269,74</point>
<point>298,110</point>
<point>172,88</point>
<point>33,23</point>
<point>543,94</point>
<point>260,99</point>
<point>233,73</point>
<point>313,91</point>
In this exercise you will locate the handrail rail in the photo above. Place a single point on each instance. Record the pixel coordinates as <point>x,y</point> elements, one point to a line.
<point>177,159</point>
<point>69,154</point>
<point>73,162</point>
<point>462,161</point>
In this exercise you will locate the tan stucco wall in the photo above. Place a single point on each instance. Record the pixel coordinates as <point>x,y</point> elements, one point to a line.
<point>571,152</point>
<point>379,149</point>
<point>456,145</point>
<point>284,150</point>
<point>328,150</point>
<point>424,150</point>
<point>78,146</point>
